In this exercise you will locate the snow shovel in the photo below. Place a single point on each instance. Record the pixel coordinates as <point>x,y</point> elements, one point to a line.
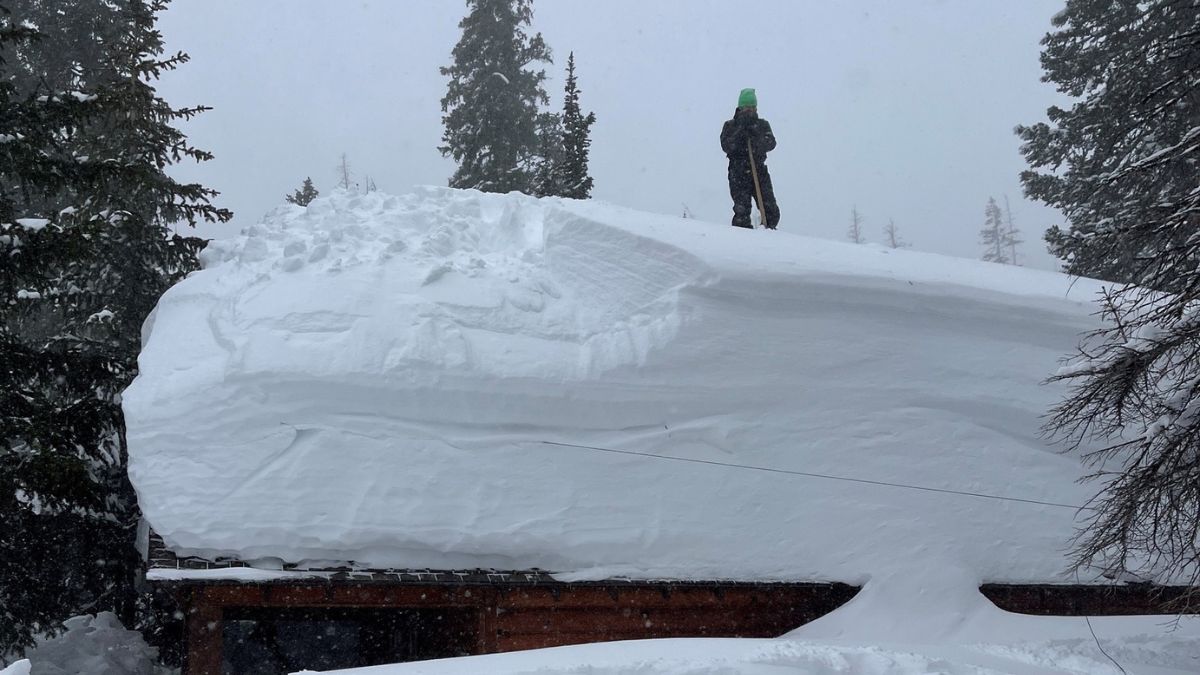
<point>762,213</point>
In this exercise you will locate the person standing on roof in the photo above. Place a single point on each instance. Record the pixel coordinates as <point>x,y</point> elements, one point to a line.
<point>748,135</point>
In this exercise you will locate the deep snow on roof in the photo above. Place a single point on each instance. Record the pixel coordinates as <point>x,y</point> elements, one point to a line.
<point>381,379</point>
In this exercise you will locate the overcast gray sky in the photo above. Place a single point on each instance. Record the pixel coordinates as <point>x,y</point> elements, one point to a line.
<point>905,109</point>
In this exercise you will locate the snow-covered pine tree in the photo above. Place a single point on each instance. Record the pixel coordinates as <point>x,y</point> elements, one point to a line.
<point>992,236</point>
<point>574,178</point>
<point>41,532</point>
<point>491,102</point>
<point>1011,233</point>
<point>1120,163</point>
<point>344,176</point>
<point>547,179</point>
<point>891,235</point>
<point>1124,166</point>
<point>85,210</point>
<point>855,231</point>
<point>69,49</point>
<point>303,195</point>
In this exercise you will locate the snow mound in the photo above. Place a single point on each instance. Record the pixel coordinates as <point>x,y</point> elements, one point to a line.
<point>437,381</point>
<point>438,282</point>
<point>92,644</point>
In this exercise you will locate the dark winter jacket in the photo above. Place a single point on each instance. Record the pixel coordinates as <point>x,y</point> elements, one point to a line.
<point>747,126</point>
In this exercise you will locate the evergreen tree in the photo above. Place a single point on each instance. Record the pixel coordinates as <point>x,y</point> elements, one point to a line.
<point>304,195</point>
<point>491,103</point>
<point>343,173</point>
<point>69,51</point>
<point>1011,233</point>
<point>891,235</point>
<point>547,180</point>
<point>855,232</point>
<point>993,235</point>
<point>574,178</point>
<point>1121,162</point>
<point>1123,167</point>
<point>85,214</point>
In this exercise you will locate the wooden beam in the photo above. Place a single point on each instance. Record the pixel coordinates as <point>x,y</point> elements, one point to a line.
<point>341,595</point>
<point>675,621</point>
<point>204,627</point>
<point>486,640</point>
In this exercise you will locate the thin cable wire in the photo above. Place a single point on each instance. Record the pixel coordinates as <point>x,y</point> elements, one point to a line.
<point>819,475</point>
<point>1100,646</point>
<point>1092,630</point>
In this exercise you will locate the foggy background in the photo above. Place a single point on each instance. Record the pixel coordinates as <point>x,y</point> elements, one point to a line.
<point>903,109</point>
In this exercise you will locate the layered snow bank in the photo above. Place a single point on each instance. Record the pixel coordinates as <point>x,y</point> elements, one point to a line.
<point>376,379</point>
<point>91,644</point>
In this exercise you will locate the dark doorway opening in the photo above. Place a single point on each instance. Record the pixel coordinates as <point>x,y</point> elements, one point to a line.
<point>280,641</point>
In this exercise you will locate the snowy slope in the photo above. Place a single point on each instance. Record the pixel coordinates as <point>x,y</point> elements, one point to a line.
<point>375,378</point>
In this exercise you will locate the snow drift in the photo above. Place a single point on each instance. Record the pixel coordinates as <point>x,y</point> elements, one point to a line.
<point>380,379</point>
<point>91,644</point>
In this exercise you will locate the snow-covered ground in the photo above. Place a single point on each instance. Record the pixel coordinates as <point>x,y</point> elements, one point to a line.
<point>1156,652</point>
<point>407,381</point>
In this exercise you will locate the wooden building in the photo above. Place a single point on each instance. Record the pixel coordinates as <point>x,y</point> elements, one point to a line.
<point>339,618</point>
<point>248,622</point>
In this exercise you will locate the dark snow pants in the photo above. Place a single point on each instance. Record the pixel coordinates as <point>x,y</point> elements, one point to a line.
<point>741,188</point>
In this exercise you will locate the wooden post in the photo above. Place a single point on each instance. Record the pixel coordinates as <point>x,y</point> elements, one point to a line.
<point>486,642</point>
<point>204,628</point>
<point>762,212</point>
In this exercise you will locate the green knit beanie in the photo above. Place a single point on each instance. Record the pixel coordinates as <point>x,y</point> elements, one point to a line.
<point>747,99</point>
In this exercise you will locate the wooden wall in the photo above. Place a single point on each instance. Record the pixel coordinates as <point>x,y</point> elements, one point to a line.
<point>515,617</point>
<point>500,617</point>
<point>1085,600</point>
